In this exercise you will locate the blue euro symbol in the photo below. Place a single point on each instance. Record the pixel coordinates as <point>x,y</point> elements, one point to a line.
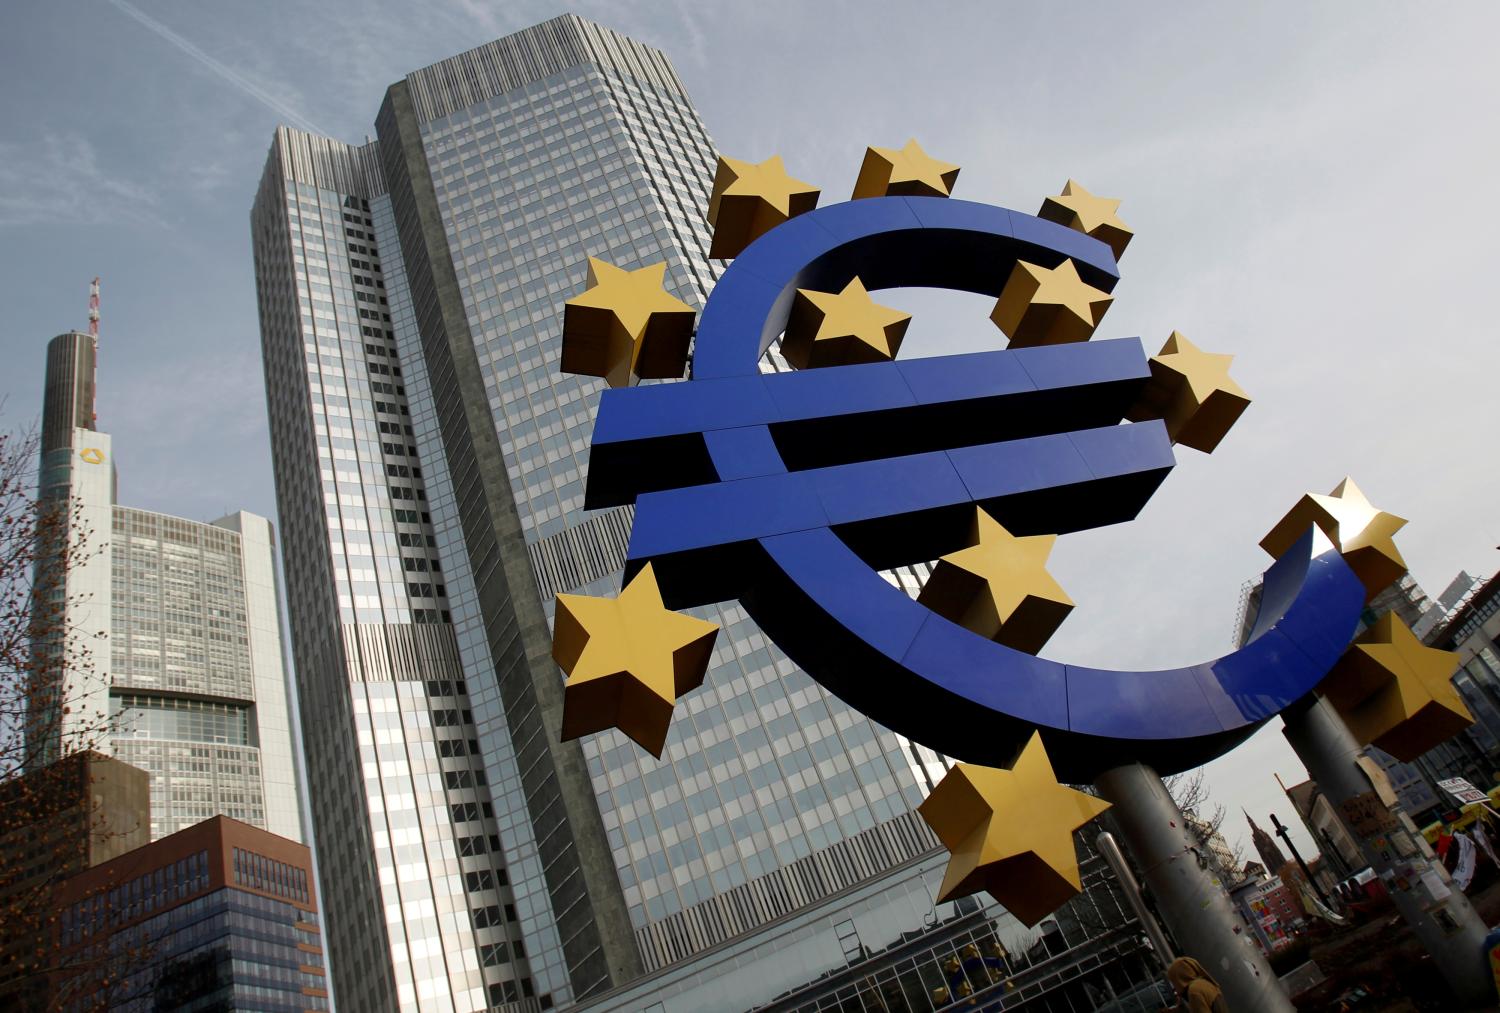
<point>791,491</point>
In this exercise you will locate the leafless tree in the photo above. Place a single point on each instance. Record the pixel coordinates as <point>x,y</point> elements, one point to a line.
<point>1205,819</point>
<point>50,824</point>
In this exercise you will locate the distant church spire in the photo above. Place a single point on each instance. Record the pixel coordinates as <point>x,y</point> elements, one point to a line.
<point>1265,844</point>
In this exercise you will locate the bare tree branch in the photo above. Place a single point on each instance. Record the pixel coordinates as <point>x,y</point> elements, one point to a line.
<point>51,822</point>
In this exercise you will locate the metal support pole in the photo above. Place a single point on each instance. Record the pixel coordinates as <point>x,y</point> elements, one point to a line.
<point>1105,842</point>
<point>1437,911</point>
<point>1301,862</point>
<point>1192,902</point>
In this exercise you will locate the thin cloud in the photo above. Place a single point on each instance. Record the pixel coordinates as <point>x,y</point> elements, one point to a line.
<point>59,181</point>
<point>236,80</point>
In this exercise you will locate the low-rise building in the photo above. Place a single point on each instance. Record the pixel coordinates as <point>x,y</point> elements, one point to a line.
<point>221,914</point>
<point>1271,908</point>
<point>57,821</point>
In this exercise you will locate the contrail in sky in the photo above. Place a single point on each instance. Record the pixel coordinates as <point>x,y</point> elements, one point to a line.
<point>227,73</point>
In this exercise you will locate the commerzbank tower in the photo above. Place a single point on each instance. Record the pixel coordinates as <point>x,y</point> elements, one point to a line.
<point>430,461</point>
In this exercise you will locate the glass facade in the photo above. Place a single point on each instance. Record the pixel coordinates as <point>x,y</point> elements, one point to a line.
<point>181,632</point>
<point>183,720</point>
<point>409,843</point>
<point>886,948</point>
<point>762,767</point>
<point>430,461</point>
<point>516,836</point>
<point>219,916</point>
<point>228,949</point>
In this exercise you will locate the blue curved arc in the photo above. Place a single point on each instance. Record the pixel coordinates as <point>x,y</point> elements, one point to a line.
<point>930,670</point>
<point>867,641</point>
<point>926,242</point>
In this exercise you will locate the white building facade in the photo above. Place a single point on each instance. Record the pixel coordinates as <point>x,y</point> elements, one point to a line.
<point>178,665</point>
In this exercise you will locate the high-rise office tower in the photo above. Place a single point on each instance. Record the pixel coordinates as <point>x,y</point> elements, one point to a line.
<point>430,462</point>
<point>176,664</point>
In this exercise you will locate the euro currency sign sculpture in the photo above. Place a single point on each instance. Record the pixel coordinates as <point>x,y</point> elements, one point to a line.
<point>791,491</point>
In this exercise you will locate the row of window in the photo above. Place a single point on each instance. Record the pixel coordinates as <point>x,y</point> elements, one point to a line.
<point>261,873</point>
<point>135,898</point>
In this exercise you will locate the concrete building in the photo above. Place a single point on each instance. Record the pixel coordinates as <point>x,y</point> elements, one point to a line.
<point>176,661</point>
<point>1217,848</point>
<point>430,460</point>
<point>221,915</point>
<point>1471,627</point>
<point>1333,840</point>
<point>1272,910</point>
<point>56,821</point>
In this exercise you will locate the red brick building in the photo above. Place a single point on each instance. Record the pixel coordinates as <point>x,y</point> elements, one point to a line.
<point>222,913</point>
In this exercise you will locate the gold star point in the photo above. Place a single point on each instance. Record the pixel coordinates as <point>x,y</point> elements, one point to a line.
<point>907,171</point>
<point>840,329</point>
<point>999,586</point>
<point>628,659</point>
<point>750,199</point>
<point>1362,532</point>
<point>626,325</point>
<point>1010,832</point>
<point>1396,692</point>
<point>1048,306</point>
<point>1095,216</point>
<point>1192,391</point>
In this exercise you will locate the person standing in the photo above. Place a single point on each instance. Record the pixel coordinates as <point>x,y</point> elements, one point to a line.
<point>1197,992</point>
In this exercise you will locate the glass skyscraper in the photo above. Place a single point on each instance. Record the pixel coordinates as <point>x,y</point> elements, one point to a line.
<point>430,462</point>
<point>177,664</point>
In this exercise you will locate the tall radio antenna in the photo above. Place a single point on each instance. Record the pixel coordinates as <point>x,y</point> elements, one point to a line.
<point>94,333</point>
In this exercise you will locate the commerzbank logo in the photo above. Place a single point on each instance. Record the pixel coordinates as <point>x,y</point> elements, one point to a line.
<point>92,455</point>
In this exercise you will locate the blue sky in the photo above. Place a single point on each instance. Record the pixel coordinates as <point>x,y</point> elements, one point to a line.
<point>1308,184</point>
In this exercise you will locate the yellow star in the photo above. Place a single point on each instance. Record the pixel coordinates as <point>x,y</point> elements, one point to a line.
<point>1360,530</point>
<point>628,659</point>
<point>750,199</point>
<point>1396,692</point>
<point>1192,391</point>
<point>1048,307</point>
<point>1011,833</point>
<point>626,324</point>
<point>1078,209</point>
<point>828,329</point>
<point>999,587</point>
<point>904,172</point>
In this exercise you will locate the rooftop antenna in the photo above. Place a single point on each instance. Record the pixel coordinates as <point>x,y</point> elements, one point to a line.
<point>94,333</point>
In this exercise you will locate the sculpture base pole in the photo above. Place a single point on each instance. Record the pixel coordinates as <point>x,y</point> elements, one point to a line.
<point>1437,911</point>
<point>1189,897</point>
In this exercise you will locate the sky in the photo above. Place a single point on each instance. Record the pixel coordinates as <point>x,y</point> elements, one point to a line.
<point>1300,178</point>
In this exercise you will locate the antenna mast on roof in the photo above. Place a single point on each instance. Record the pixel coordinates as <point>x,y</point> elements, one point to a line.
<point>94,333</point>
